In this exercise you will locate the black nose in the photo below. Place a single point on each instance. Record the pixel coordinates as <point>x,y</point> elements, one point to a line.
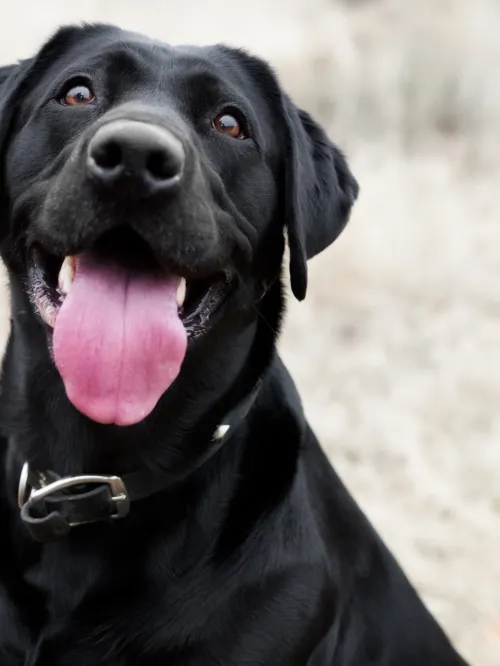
<point>146,157</point>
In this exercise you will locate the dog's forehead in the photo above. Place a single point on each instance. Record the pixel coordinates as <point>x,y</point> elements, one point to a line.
<point>127,63</point>
<point>129,54</point>
<point>142,55</point>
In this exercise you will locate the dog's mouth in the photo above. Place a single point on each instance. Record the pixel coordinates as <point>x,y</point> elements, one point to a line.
<point>120,322</point>
<point>51,279</point>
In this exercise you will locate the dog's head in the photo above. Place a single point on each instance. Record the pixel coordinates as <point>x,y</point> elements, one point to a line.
<point>144,195</point>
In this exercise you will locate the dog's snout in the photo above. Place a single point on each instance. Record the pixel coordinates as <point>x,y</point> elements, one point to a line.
<point>149,157</point>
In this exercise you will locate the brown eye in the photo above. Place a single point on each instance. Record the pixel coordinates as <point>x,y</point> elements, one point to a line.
<point>78,95</point>
<point>226,123</point>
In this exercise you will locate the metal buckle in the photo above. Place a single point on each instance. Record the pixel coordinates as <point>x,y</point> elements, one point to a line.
<point>23,485</point>
<point>117,487</point>
<point>220,432</point>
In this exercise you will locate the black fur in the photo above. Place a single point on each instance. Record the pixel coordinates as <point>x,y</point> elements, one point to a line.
<point>260,557</point>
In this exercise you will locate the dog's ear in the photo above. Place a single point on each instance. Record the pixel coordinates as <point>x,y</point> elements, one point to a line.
<point>7,76</point>
<point>320,192</point>
<point>11,76</point>
<point>5,72</point>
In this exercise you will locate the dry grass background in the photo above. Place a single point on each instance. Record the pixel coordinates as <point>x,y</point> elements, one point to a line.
<point>397,348</point>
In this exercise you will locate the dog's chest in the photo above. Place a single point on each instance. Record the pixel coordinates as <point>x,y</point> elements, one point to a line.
<point>63,581</point>
<point>40,605</point>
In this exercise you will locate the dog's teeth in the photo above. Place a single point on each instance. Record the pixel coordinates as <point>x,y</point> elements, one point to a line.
<point>67,274</point>
<point>181,293</point>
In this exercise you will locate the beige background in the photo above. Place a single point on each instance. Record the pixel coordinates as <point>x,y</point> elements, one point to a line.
<point>397,348</point>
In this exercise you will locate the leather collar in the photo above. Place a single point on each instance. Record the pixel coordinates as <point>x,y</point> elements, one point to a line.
<point>51,506</point>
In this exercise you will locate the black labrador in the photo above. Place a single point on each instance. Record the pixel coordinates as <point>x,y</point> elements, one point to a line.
<point>163,499</point>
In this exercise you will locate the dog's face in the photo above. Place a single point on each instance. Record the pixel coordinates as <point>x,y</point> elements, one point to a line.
<point>144,194</point>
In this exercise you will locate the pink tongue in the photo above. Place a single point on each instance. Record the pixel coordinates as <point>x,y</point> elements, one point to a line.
<point>118,341</point>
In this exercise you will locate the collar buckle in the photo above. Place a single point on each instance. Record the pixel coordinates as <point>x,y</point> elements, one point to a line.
<point>49,510</point>
<point>119,496</point>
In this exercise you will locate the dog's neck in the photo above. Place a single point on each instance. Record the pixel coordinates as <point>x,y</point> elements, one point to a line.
<point>44,429</point>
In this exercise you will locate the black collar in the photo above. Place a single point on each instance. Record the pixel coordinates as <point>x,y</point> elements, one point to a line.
<point>51,505</point>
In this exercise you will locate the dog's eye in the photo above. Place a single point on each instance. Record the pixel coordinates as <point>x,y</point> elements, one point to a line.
<point>78,95</point>
<point>227,123</point>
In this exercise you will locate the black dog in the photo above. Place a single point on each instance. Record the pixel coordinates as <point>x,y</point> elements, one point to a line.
<point>145,193</point>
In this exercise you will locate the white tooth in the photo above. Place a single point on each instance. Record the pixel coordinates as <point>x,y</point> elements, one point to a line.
<point>181,293</point>
<point>67,274</point>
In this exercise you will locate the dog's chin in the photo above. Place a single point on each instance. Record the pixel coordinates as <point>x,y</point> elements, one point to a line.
<point>119,323</point>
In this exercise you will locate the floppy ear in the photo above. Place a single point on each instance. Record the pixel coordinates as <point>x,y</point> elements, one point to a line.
<point>320,192</point>
<point>10,78</point>
<point>5,73</point>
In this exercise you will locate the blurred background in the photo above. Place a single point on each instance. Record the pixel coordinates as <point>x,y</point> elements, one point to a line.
<point>397,348</point>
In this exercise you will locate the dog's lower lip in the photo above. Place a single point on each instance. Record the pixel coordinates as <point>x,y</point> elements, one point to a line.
<point>50,280</point>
